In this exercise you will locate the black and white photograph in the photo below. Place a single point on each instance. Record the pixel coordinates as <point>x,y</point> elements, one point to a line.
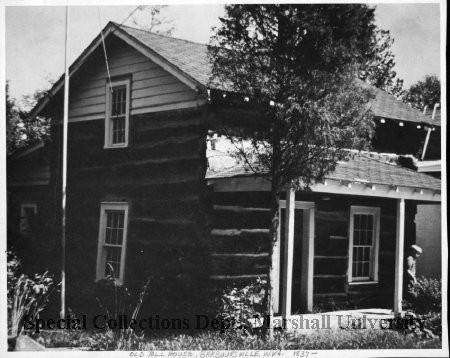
<point>223,180</point>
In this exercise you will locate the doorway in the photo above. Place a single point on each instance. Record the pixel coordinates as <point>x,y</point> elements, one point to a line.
<point>294,267</point>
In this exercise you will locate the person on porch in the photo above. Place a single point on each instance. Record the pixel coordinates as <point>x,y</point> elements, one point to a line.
<point>414,252</point>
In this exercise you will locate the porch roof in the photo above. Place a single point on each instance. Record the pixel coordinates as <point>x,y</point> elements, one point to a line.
<point>363,168</point>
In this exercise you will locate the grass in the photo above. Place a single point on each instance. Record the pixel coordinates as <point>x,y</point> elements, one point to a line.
<point>214,340</point>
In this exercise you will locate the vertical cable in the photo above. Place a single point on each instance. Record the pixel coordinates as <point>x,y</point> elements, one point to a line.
<point>104,48</point>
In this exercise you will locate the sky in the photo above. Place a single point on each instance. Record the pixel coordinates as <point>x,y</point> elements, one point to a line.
<point>34,43</point>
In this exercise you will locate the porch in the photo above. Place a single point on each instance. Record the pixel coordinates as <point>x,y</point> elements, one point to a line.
<point>346,238</point>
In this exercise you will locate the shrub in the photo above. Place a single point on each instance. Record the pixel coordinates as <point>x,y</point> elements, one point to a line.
<point>240,306</point>
<point>425,299</point>
<point>119,301</point>
<point>26,296</point>
<point>425,296</point>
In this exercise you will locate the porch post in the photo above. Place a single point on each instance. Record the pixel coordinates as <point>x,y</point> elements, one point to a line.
<point>307,260</point>
<point>288,252</point>
<point>275,273</point>
<point>399,253</point>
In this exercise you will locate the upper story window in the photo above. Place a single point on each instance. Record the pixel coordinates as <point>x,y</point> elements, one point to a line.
<point>117,114</point>
<point>364,237</point>
<point>112,241</point>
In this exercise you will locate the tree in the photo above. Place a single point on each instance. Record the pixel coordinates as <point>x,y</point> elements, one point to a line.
<point>15,133</point>
<point>22,130</point>
<point>424,93</point>
<point>378,69</point>
<point>154,21</point>
<point>296,66</point>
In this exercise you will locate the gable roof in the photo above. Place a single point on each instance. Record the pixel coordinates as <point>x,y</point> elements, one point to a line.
<point>387,106</point>
<point>189,57</point>
<point>189,62</point>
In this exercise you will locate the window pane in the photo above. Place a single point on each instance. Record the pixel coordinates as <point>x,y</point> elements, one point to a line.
<point>118,101</point>
<point>363,222</point>
<point>112,267</point>
<point>114,227</point>
<point>118,130</point>
<point>366,254</point>
<point>365,269</point>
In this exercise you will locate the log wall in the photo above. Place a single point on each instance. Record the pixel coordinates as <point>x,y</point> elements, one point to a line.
<point>240,244</point>
<point>240,240</point>
<point>161,176</point>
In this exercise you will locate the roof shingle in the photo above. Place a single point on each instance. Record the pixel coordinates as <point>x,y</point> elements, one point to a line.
<point>358,168</point>
<point>191,58</point>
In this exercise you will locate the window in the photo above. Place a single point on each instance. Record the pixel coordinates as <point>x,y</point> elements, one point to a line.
<point>363,241</point>
<point>117,114</point>
<point>28,214</point>
<point>112,241</point>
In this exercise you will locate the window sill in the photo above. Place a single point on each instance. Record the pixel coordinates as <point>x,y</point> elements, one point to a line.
<point>118,282</point>
<point>115,146</point>
<point>355,283</point>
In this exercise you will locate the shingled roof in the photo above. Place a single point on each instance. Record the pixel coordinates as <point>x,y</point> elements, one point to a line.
<point>358,168</point>
<point>191,58</point>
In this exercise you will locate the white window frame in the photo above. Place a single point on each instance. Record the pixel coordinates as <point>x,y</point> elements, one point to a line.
<point>108,124</point>
<point>365,210</point>
<point>101,253</point>
<point>22,214</point>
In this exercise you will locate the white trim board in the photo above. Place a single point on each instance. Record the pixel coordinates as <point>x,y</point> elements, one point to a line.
<point>101,252</point>
<point>373,269</point>
<point>330,186</point>
<point>307,258</point>
<point>108,125</point>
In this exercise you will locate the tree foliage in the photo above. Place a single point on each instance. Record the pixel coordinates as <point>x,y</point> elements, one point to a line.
<point>303,59</point>
<point>298,65</point>
<point>21,130</point>
<point>378,70</point>
<point>153,20</point>
<point>424,93</point>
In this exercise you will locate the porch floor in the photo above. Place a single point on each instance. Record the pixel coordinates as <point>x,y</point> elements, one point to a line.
<point>367,318</point>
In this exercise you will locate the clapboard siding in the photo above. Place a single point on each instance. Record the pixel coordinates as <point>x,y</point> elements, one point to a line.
<point>155,90</point>
<point>160,99</point>
<point>91,90</point>
<point>153,81</point>
<point>150,84</point>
